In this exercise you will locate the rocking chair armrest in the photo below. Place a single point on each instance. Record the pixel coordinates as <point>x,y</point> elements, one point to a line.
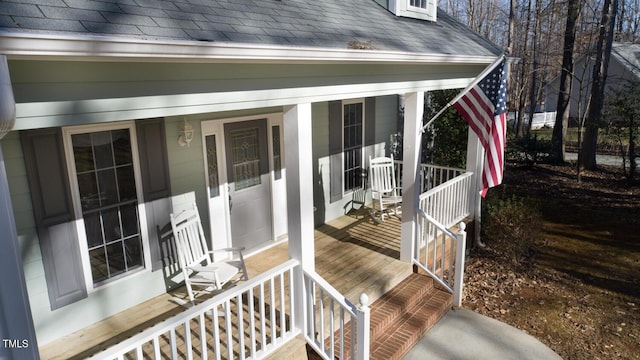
<point>230,249</point>
<point>210,268</point>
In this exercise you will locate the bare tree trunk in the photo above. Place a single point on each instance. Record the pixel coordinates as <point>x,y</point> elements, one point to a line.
<point>523,73</point>
<point>566,78</point>
<point>512,26</point>
<point>598,80</point>
<point>533,90</point>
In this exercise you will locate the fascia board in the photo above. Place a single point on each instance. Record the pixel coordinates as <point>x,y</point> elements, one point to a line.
<point>24,45</point>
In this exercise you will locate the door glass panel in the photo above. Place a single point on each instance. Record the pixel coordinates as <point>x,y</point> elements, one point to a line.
<point>108,196</point>
<point>277,159</point>
<point>212,166</point>
<point>245,153</point>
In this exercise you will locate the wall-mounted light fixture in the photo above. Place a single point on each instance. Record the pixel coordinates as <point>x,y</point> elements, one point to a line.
<point>186,134</point>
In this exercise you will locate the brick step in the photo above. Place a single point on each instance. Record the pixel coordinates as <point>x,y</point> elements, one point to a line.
<point>402,316</point>
<point>395,302</point>
<point>404,333</point>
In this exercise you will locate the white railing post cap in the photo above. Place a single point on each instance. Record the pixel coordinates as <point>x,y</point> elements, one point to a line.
<point>364,300</point>
<point>463,226</point>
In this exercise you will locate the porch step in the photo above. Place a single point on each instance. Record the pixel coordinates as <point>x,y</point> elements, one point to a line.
<point>402,316</point>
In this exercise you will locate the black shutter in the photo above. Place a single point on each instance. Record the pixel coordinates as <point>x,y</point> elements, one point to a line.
<point>53,210</point>
<point>156,188</point>
<point>335,150</point>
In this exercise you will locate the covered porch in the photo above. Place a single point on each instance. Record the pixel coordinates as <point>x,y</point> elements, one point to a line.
<point>354,253</point>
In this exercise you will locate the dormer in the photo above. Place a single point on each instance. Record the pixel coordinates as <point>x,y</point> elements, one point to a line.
<point>417,9</point>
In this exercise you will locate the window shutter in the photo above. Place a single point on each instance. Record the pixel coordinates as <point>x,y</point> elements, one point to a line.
<point>335,150</point>
<point>154,164</point>
<point>156,188</point>
<point>53,210</point>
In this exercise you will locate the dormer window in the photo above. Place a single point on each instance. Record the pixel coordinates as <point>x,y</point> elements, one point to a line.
<point>417,9</point>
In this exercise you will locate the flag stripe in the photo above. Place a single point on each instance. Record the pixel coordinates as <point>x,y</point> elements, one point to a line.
<point>484,109</point>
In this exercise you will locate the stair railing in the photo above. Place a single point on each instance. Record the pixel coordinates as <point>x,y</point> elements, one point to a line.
<point>440,253</point>
<point>450,202</point>
<point>332,321</point>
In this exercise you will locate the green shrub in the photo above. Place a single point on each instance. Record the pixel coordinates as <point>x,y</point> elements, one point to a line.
<point>528,149</point>
<point>511,226</point>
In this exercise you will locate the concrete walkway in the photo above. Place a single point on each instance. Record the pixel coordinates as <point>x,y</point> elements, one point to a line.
<point>464,335</point>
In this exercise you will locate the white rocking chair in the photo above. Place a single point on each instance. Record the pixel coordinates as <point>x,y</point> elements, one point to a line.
<point>197,263</point>
<point>382,180</point>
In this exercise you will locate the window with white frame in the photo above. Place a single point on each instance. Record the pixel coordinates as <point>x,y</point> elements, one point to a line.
<point>352,144</point>
<point>419,9</point>
<point>104,170</point>
<point>421,4</point>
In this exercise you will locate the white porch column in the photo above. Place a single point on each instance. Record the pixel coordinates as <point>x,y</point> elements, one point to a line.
<point>413,110</point>
<point>299,163</point>
<point>475,163</point>
<point>17,334</point>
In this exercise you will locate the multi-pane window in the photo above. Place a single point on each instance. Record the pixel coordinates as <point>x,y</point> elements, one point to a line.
<point>418,3</point>
<point>353,130</point>
<point>108,198</point>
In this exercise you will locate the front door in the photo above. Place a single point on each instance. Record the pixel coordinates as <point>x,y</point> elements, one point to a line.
<point>247,159</point>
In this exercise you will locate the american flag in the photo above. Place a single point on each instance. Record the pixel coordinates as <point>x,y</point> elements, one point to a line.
<point>484,107</point>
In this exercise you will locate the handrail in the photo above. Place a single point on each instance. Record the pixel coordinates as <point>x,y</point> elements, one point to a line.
<point>450,202</point>
<point>430,175</point>
<point>433,243</point>
<point>272,328</point>
<point>336,328</point>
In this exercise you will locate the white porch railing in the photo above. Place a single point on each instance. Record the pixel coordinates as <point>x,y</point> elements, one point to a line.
<point>430,175</point>
<point>332,321</point>
<point>450,202</point>
<point>253,319</point>
<point>437,250</point>
<point>244,322</point>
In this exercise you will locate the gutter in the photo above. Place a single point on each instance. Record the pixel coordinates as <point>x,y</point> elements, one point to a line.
<point>29,45</point>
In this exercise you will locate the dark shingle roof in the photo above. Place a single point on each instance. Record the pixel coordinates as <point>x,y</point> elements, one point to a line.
<point>325,24</point>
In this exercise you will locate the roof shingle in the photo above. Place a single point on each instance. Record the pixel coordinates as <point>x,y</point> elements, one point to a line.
<point>325,24</point>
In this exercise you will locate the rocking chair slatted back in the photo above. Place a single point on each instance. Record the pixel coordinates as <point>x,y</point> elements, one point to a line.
<point>382,175</point>
<point>199,268</point>
<point>190,240</point>
<point>384,193</point>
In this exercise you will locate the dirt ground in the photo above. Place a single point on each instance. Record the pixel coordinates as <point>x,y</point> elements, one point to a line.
<point>580,293</point>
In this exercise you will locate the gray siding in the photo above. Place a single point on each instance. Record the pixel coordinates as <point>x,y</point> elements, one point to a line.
<point>101,303</point>
<point>385,125</point>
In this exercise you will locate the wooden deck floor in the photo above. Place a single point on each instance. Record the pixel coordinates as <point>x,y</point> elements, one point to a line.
<point>353,253</point>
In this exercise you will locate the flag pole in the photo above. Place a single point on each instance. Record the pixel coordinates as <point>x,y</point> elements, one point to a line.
<point>475,82</point>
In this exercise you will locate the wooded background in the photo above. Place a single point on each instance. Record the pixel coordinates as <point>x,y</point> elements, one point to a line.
<point>546,37</point>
